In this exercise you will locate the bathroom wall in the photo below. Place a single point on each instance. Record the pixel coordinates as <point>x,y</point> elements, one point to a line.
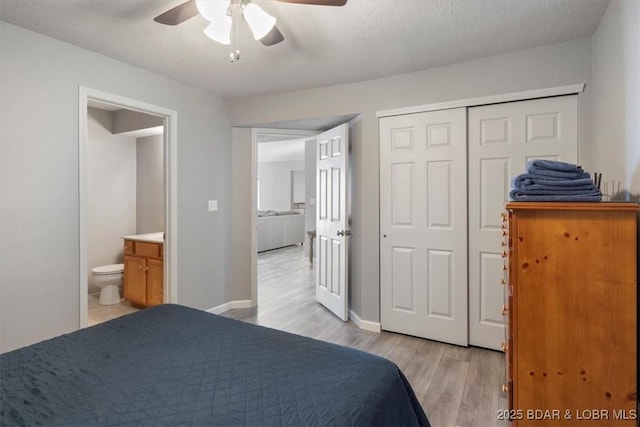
<point>111,166</point>
<point>150,184</point>
<point>129,120</point>
<point>275,184</point>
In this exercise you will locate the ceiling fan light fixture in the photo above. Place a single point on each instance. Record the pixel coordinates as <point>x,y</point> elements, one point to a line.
<point>219,30</point>
<point>260,22</point>
<point>212,10</point>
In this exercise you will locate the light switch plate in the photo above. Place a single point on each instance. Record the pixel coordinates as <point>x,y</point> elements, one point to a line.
<point>213,205</point>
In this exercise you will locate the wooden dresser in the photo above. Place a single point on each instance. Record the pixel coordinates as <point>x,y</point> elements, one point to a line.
<point>571,302</point>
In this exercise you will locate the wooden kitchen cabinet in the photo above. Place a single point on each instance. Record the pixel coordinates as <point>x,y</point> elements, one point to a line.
<point>143,273</point>
<point>571,307</point>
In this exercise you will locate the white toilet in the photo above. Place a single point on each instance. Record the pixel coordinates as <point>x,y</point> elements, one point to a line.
<point>108,278</point>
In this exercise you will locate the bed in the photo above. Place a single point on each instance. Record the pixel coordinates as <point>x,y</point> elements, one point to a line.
<point>174,365</point>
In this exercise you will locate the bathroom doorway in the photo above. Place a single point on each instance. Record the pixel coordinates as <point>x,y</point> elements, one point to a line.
<point>127,184</point>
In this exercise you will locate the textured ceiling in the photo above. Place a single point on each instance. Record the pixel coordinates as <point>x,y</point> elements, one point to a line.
<point>363,40</point>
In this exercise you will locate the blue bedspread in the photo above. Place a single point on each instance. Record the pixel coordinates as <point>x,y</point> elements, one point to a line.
<point>173,365</point>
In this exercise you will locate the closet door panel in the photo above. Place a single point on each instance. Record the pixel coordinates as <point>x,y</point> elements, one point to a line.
<point>423,230</point>
<point>502,139</point>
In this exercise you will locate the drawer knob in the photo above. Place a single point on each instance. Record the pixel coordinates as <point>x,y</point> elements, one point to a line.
<point>505,388</point>
<point>505,310</point>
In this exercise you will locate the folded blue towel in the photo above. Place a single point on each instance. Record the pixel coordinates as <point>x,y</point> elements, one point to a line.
<point>525,180</point>
<point>552,168</point>
<point>556,191</point>
<point>518,196</point>
<point>554,165</point>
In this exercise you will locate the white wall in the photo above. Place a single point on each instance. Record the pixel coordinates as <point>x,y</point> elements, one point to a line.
<point>149,184</point>
<point>310,193</point>
<point>111,199</point>
<point>243,214</point>
<point>616,96</point>
<point>550,66</point>
<point>129,120</point>
<point>275,184</point>
<point>298,186</point>
<point>39,249</point>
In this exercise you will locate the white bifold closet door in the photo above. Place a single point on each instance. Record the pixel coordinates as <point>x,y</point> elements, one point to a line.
<point>502,138</point>
<point>423,225</point>
<point>444,180</point>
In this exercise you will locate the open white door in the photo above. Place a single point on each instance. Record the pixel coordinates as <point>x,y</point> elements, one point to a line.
<point>332,231</point>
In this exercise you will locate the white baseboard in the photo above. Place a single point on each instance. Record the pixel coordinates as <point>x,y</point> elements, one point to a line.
<point>230,306</point>
<point>364,324</point>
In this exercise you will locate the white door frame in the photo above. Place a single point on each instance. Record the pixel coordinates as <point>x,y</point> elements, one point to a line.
<point>170,138</point>
<point>255,133</point>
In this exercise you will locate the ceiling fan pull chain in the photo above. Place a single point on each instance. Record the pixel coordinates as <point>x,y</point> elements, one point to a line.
<point>236,11</point>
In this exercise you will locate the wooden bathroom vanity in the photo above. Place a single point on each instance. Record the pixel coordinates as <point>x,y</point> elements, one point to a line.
<point>143,269</point>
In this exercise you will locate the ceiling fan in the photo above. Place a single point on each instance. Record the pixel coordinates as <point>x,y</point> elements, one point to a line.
<point>224,18</point>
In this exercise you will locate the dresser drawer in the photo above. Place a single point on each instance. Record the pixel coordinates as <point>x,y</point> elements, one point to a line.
<point>149,250</point>
<point>129,247</point>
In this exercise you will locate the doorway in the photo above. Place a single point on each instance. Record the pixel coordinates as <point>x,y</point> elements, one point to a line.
<point>168,118</point>
<point>278,154</point>
<point>329,152</point>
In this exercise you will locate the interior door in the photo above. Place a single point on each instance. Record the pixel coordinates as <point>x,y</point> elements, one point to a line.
<point>423,225</point>
<point>502,138</point>
<point>332,232</point>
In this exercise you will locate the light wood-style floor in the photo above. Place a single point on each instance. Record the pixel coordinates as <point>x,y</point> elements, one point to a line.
<point>456,386</point>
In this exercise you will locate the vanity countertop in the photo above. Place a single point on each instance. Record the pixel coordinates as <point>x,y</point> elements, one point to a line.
<point>148,237</point>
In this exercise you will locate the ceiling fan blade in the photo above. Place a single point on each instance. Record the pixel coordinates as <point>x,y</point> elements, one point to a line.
<point>318,2</point>
<point>273,37</point>
<point>178,14</point>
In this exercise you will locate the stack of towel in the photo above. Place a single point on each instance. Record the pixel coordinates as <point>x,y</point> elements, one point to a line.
<point>552,181</point>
